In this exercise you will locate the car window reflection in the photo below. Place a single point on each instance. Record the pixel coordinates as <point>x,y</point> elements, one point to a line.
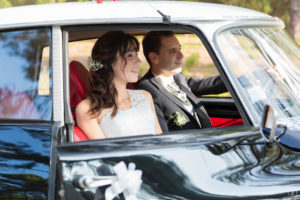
<point>25,76</point>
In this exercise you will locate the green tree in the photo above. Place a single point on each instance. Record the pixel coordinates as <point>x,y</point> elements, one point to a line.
<point>280,9</point>
<point>5,4</point>
<point>294,28</point>
<point>11,3</point>
<point>22,2</point>
<point>49,1</point>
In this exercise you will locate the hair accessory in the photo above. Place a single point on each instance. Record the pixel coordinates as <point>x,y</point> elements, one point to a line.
<point>94,65</point>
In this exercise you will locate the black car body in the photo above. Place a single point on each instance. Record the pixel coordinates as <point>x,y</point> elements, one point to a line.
<point>45,156</point>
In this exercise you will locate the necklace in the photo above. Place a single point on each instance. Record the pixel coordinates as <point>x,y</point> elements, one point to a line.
<point>124,99</point>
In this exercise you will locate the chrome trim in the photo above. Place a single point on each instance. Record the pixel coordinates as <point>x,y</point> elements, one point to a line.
<point>57,60</point>
<point>86,181</point>
<point>69,121</point>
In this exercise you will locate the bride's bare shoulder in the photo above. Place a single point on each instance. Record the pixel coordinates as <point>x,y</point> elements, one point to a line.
<point>83,106</point>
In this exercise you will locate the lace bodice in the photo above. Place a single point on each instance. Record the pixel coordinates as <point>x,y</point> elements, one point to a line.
<point>137,120</point>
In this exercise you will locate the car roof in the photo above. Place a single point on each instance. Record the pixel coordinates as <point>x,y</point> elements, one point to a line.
<point>75,13</point>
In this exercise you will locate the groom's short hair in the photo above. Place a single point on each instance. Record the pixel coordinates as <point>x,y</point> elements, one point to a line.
<point>152,42</point>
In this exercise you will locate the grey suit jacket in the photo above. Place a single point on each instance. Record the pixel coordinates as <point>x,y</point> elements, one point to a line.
<point>166,104</point>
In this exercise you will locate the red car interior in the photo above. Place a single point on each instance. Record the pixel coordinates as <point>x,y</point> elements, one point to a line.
<point>79,83</point>
<point>223,122</point>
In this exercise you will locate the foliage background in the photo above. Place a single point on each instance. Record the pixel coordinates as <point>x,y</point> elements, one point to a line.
<point>278,8</point>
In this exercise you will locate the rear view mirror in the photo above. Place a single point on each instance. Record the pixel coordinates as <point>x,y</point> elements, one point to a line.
<point>268,123</point>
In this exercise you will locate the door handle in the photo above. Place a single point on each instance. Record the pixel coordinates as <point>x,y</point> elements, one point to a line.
<point>85,181</point>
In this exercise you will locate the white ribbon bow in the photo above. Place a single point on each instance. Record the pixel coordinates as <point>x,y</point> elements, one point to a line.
<point>127,181</point>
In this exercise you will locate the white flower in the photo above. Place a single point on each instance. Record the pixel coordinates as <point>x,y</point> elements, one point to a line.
<point>94,65</point>
<point>179,119</point>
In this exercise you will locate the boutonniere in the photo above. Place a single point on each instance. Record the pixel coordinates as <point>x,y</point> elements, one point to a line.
<point>178,118</point>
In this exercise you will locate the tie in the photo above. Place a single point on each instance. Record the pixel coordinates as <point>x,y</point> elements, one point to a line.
<point>174,89</point>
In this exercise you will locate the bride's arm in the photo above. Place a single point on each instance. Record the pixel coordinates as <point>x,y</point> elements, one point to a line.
<point>149,97</point>
<point>87,123</point>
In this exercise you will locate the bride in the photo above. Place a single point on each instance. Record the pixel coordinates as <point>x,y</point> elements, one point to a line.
<point>111,110</point>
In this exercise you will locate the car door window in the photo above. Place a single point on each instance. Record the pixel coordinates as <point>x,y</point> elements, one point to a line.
<point>197,63</point>
<point>25,81</point>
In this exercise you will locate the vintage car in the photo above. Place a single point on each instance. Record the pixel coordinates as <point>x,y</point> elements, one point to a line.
<point>251,152</point>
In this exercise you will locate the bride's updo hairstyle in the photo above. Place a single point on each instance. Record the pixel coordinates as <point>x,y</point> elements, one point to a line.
<point>103,92</point>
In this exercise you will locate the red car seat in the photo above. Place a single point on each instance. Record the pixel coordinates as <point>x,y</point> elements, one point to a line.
<point>79,84</point>
<point>223,122</point>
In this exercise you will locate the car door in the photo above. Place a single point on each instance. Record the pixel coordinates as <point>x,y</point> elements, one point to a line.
<point>221,163</point>
<point>214,163</point>
<point>26,126</point>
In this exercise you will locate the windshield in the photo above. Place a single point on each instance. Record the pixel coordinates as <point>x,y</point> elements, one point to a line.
<point>265,66</point>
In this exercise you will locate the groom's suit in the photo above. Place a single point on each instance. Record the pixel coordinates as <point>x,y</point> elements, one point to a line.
<point>166,104</point>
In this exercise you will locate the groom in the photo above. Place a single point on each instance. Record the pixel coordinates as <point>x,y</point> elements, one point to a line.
<point>175,96</point>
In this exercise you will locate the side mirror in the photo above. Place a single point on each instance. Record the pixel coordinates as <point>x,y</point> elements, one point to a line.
<point>268,123</point>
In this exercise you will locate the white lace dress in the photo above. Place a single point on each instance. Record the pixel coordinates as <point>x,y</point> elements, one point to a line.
<point>137,120</point>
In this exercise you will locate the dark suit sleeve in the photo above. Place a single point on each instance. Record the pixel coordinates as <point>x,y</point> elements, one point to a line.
<point>210,85</point>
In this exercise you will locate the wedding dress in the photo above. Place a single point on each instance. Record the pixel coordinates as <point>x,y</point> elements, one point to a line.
<point>137,120</point>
